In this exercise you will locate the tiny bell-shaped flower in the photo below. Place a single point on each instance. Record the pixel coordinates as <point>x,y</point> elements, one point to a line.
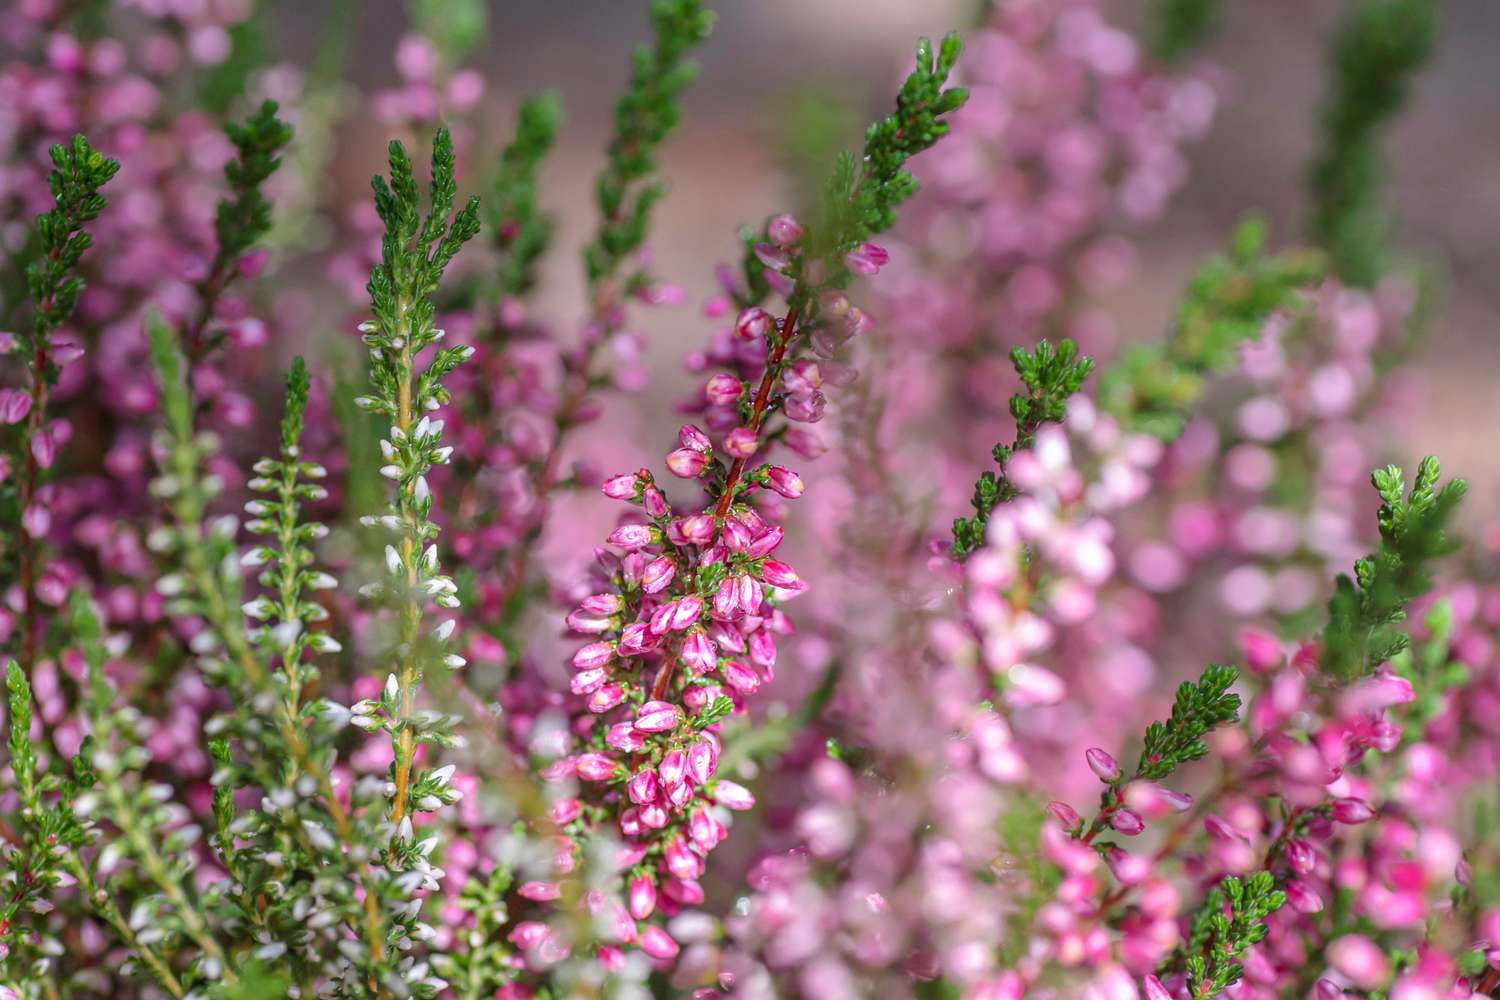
<point>1103,765</point>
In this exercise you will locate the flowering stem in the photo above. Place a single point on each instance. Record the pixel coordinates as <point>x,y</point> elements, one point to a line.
<point>411,612</point>
<point>105,906</point>
<point>758,409</point>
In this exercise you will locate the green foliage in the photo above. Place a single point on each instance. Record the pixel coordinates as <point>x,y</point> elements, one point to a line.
<point>646,113</point>
<point>454,27</point>
<point>244,217</point>
<point>521,230</point>
<point>1198,709</point>
<point>415,251</point>
<point>1232,918</point>
<point>1050,376</point>
<point>861,196</point>
<point>1154,387</point>
<point>1365,612</point>
<point>1180,26</point>
<point>1431,668</point>
<point>486,963</point>
<point>79,171</point>
<point>1376,53</point>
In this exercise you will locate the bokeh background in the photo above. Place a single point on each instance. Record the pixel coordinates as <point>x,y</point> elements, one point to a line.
<point>773,66</point>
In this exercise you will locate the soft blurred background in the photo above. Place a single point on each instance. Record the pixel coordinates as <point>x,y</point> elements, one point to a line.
<point>775,69</point>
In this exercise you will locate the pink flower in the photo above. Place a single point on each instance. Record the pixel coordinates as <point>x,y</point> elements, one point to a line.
<point>14,405</point>
<point>733,796</point>
<point>784,230</point>
<point>752,323</point>
<point>642,897</point>
<point>741,443</point>
<point>658,717</point>
<point>686,463</point>
<point>866,259</point>
<point>1103,765</point>
<point>723,389</point>
<point>785,482</point>
<point>658,943</point>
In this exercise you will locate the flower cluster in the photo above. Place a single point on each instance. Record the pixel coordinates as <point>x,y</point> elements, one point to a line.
<point>286,713</point>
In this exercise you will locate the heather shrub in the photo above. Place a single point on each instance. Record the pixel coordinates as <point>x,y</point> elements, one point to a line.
<point>963,643</point>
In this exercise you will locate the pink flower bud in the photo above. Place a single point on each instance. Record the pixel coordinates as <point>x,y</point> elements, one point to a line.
<point>658,943</point>
<point>784,230</point>
<point>593,656</point>
<point>14,405</point>
<point>1065,814</point>
<point>726,601</point>
<point>779,574</point>
<point>866,259</point>
<point>741,443</point>
<point>1128,822</point>
<point>694,439</point>
<point>765,543</point>
<point>1352,811</point>
<point>733,796</point>
<point>36,520</point>
<point>739,676</point>
<point>657,574</point>
<point>806,409</point>
<point>698,653</point>
<point>623,737</point>
<point>631,536</point>
<point>785,482</point>
<point>698,529</point>
<point>1155,990</point>
<point>702,761</point>
<point>685,463</point>
<point>540,891</point>
<point>642,897</point>
<point>1103,765</point>
<point>588,681</point>
<point>752,323</point>
<point>1301,856</point>
<point>642,787</point>
<point>672,767</point>
<point>723,389</point>
<point>706,831</point>
<point>681,861</point>
<point>596,767</point>
<point>658,717</point>
<point>1359,959</point>
<point>606,698</point>
<point>1303,896</point>
<point>772,256</point>
<point>621,487</point>
<point>528,934</point>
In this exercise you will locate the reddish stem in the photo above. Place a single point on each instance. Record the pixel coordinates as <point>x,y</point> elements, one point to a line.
<point>757,411</point>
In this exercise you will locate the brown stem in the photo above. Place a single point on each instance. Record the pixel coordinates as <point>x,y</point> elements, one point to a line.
<point>758,409</point>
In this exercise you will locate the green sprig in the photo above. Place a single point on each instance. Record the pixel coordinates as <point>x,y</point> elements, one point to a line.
<point>1051,376</point>
<point>628,189</point>
<point>1231,920</point>
<point>1198,709</point>
<point>1376,53</point>
<point>862,195</point>
<point>1154,387</point>
<point>521,231</point>
<point>1367,609</point>
<point>79,171</point>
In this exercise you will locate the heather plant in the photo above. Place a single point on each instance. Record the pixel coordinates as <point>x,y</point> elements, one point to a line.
<point>312,707</point>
